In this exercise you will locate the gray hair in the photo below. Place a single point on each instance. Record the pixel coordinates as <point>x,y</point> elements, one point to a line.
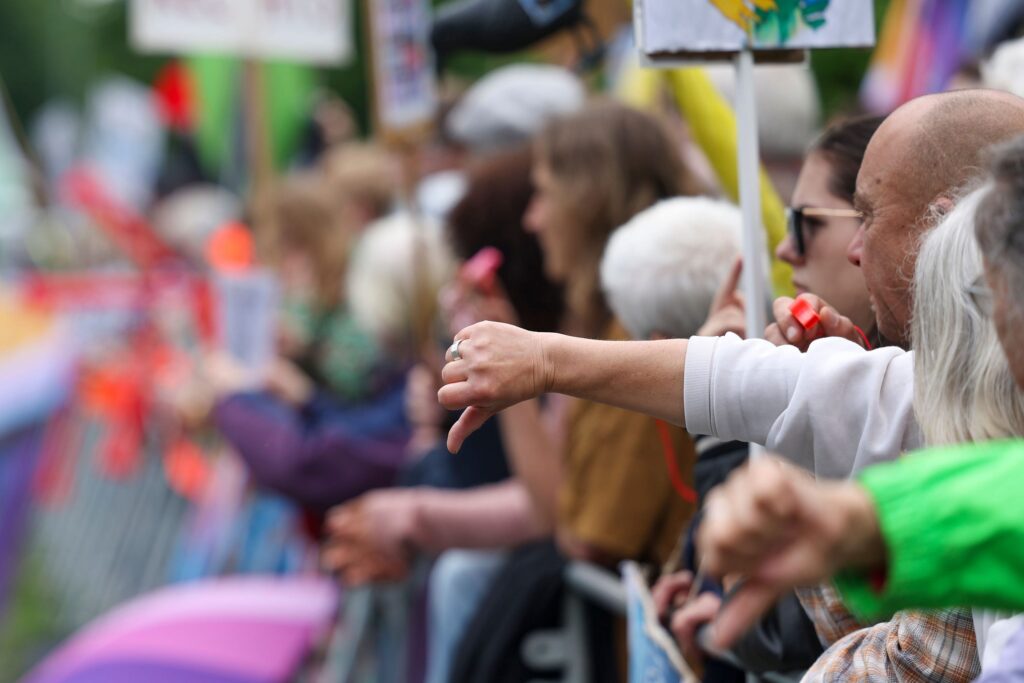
<point>963,388</point>
<point>383,285</point>
<point>660,271</point>
<point>511,104</point>
<point>1000,220</point>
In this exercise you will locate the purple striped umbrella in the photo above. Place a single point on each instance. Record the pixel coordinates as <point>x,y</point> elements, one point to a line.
<point>231,630</point>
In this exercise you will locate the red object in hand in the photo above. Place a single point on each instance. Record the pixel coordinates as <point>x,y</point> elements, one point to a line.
<point>481,270</point>
<point>804,314</point>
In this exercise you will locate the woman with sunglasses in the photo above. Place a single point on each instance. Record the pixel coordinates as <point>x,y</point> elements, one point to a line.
<point>822,222</point>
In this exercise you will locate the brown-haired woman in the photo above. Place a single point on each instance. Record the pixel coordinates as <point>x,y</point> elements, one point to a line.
<point>601,484</point>
<point>592,172</point>
<point>822,222</point>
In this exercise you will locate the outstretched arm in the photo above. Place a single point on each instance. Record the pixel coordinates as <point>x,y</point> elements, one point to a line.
<point>501,365</point>
<point>942,527</point>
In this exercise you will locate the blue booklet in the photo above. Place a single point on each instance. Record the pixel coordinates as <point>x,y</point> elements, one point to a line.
<point>653,655</point>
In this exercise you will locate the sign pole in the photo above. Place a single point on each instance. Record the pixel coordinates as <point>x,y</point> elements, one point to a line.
<point>424,306</point>
<point>750,200</point>
<point>750,196</point>
<point>403,112</point>
<point>257,140</point>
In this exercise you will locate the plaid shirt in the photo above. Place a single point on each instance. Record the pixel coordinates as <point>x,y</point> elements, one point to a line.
<point>912,647</point>
<point>832,620</point>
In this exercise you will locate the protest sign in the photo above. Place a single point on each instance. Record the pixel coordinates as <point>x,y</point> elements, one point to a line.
<point>405,95</point>
<point>309,31</point>
<point>667,27</point>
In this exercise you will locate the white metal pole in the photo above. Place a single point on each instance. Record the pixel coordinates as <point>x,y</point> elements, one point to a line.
<point>754,254</point>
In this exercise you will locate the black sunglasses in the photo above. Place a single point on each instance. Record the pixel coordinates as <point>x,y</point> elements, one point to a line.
<point>795,222</point>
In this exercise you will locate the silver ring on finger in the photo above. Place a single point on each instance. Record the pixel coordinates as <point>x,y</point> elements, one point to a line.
<point>454,350</point>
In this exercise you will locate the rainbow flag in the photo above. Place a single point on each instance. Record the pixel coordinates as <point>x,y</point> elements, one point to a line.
<point>921,47</point>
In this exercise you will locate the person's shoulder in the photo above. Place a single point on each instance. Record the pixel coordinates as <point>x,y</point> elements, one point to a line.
<point>839,345</point>
<point>840,355</point>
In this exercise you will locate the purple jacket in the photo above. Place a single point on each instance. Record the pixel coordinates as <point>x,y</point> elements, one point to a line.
<point>322,454</point>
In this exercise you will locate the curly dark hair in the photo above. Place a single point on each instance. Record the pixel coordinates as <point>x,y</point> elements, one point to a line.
<point>491,215</point>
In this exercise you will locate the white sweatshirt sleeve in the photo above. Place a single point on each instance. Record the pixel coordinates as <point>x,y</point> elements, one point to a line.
<point>833,410</point>
<point>993,631</point>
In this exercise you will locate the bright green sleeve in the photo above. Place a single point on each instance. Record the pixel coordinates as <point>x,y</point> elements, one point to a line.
<point>953,523</point>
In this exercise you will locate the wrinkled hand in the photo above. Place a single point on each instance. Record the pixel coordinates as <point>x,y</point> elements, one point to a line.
<point>500,366</point>
<point>728,309</point>
<point>670,594</point>
<point>774,524</point>
<point>687,620</point>
<point>226,375</point>
<point>359,565</point>
<point>787,330</point>
<point>191,402</point>
<point>289,383</point>
<point>368,539</point>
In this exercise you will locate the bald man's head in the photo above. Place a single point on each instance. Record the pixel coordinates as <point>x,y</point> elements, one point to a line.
<point>921,158</point>
<point>955,130</point>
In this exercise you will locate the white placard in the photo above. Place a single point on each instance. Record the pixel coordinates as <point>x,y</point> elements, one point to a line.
<point>246,305</point>
<point>403,64</point>
<point>312,31</point>
<point>664,27</point>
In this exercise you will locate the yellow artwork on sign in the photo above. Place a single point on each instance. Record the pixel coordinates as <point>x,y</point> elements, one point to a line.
<point>774,21</point>
<point>743,13</point>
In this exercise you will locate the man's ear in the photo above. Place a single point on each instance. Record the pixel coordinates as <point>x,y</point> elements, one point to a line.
<point>943,205</point>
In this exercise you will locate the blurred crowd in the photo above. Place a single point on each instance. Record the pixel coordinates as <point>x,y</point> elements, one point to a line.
<point>486,372</point>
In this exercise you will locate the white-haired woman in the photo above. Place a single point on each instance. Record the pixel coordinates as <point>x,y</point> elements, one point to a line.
<point>661,270</point>
<point>963,388</point>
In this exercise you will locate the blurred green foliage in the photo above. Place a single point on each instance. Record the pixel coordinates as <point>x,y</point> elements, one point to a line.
<point>839,72</point>
<point>57,48</point>
<point>28,629</point>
